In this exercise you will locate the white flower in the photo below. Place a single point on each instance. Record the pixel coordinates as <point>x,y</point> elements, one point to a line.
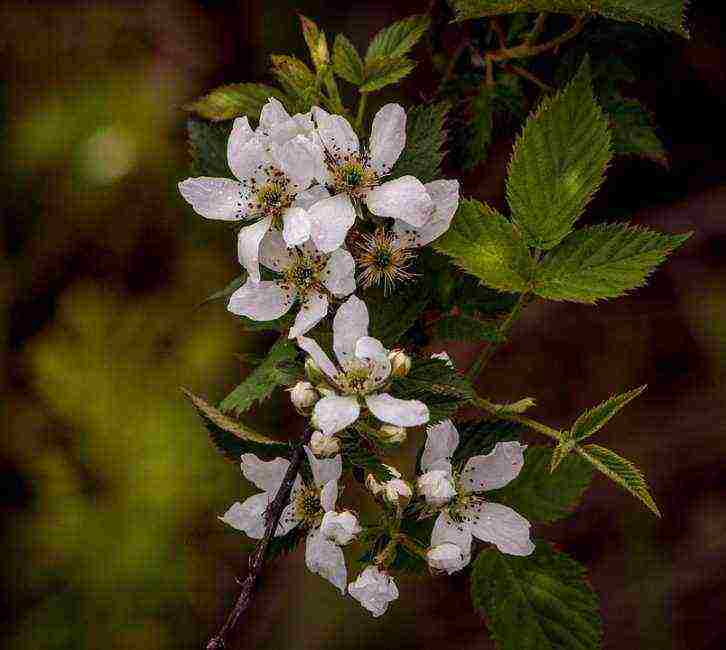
<point>303,395</point>
<point>323,445</point>
<point>308,276</point>
<point>364,372</point>
<point>275,166</point>
<point>374,589</point>
<point>466,513</point>
<point>308,506</point>
<point>355,175</point>
<point>393,490</point>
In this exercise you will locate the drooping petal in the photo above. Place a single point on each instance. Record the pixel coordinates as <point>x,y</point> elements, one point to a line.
<point>372,350</point>
<point>500,525</point>
<point>312,311</point>
<point>388,137</point>
<point>249,162</point>
<point>339,273</point>
<point>326,559</point>
<point>442,440</point>
<point>294,157</point>
<point>214,198</point>
<point>445,195</point>
<point>308,198</point>
<point>295,226</point>
<point>248,246</point>
<point>272,114</point>
<point>447,533</point>
<point>274,253</point>
<point>495,469</point>
<point>318,355</point>
<point>261,301</point>
<point>401,412</point>
<point>249,517</point>
<point>241,134</point>
<point>350,324</point>
<point>330,221</point>
<point>335,412</point>
<point>266,475</point>
<point>337,135</point>
<point>329,496</point>
<point>405,198</point>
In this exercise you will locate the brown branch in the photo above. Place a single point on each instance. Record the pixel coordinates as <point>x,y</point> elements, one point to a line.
<point>537,29</point>
<point>497,28</point>
<point>257,559</point>
<point>526,74</point>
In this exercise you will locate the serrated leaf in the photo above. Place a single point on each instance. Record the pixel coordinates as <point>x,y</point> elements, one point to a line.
<point>482,242</point>
<point>539,495</point>
<point>479,133</point>
<point>664,14</point>
<point>603,261</point>
<point>231,437</point>
<point>234,100</point>
<point>383,72</point>
<point>465,328</point>
<point>539,602</point>
<point>316,42</point>
<point>346,61</point>
<point>596,418</point>
<point>392,316</point>
<point>227,291</point>
<point>208,148</point>
<point>264,379</point>
<point>558,163</point>
<point>633,131</point>
<point>296,79</point>
<point>425,140</point>
<point>620,470</point>
<point>397,39</point>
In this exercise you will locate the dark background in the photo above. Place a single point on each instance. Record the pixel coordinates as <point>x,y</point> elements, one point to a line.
<point>109,489</point>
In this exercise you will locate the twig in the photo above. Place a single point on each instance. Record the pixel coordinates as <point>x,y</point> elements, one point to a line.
<point>497,28</point>
<point>257,559</point>
<point>526,74</point>
<point>537,29</point>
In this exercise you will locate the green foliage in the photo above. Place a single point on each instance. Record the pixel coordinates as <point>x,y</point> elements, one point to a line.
<point>397,39</point>
<point>384,72</point>
<point>538,494</point>
<point>620,470</point>
<point>465,329</point>
<point>392,316</point>
<point>558,163</point>
<point>231,437</point>
<point>316,42</point>
<point>477,437</point>
<point>425,141</point>
<point>664,14</point>
<point>264,379</point>
<point>347,62</point>
<point>208,148</point>
<point>539,602</point>
<point>596,418</point>
<point>234,100</point>
<point>603,261</point>
<point>482,242</point>
<point>357,453</point>
<point>633,131</point>
<point>298,81</point>
<point>285,544</point>
<point>227,291</point>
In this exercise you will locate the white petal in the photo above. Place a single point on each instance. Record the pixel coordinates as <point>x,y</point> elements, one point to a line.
<point>445,195</point>
<point>405,198</point>
<point>340,527</point>
<point>274,253</point>
<point>330,220</point>
<point>295,226</point>
<point>337,135</point>
<point>502,526</point>
<point>324,469</point>
<point>273,113</point>
<point>248,246</point>
<point>494,470</point>
<point>249,517</point>
<point>442,440</point>
<point>350,324</point>
<point>326,559</point>
<point>402,412</point>
<point>266,475</point>
<point>289,517</point>
<point>339,273</point>
<point>261,301</point>
<point>335,412</point>
<point>369,349</point>
<point>319,357</point>
<point>214,198</point>
<point>295,159</point>
<point>329,495</point>
<point>388,137</point>
<point>249,161</point>
<point>446,530</point>
<point>312,311</point>
<point>308,198</point>
<point>437,485</point>
<point>241,134</point>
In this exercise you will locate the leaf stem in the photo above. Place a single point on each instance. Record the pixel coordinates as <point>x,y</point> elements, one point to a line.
<point>360,115</point>
<point>526,74</point>
<point>492,408</point>
<point>526,49</point>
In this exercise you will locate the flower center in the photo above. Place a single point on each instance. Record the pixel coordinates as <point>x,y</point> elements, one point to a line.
<point>307,505</point>
<point>352,176</point>
<point>383,260</point>
<point>305,272</point>
<point>271,197</point>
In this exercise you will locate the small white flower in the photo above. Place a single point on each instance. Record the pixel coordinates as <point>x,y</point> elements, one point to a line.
<point>374,589</point>
<point>400,363</point>
<point>275,166</point>
<point>443,356</point>
<point>323,445</point>
<point>364,371</point>
<point>303,395</point>
<point>394,490</point>
<point>307,276</point>
<point>340,527</point>
<point>391,434</point>
<point>466,513</point>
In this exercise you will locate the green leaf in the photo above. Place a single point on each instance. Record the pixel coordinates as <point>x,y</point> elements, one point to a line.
<point>227,291</point>
<point>596,418</point>
<point>479,133</point>
<point>482,242</point>
<point>664,14</point>
<point>465,328</point>
<point>316,42</point>
<point>384,72</point>
<point>633,131</point>
<point>603,261</point>
<point>234,100</point>
<point>396,40</point>
<point>392,316</point>
<point>620,470</point>
<point>357,453</point>
<point>539,495</point>
<point>558,163</point>
<point>539,602</point>
<point>231,437</point>
<point>346,61</point>
<point>208,148</point>
<point>296,78</point>
<point>425,140</point>
<point>263,380</point>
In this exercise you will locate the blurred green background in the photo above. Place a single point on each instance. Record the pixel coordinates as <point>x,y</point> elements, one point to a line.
<point>110,490</point>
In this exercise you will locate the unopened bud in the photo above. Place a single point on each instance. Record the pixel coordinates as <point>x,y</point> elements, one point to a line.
<point>322,445</point>
<point>392,434</point>
<point>395,490</point>
<point>303,395</point>
<point>400,363</point>
<point>313,372</point>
